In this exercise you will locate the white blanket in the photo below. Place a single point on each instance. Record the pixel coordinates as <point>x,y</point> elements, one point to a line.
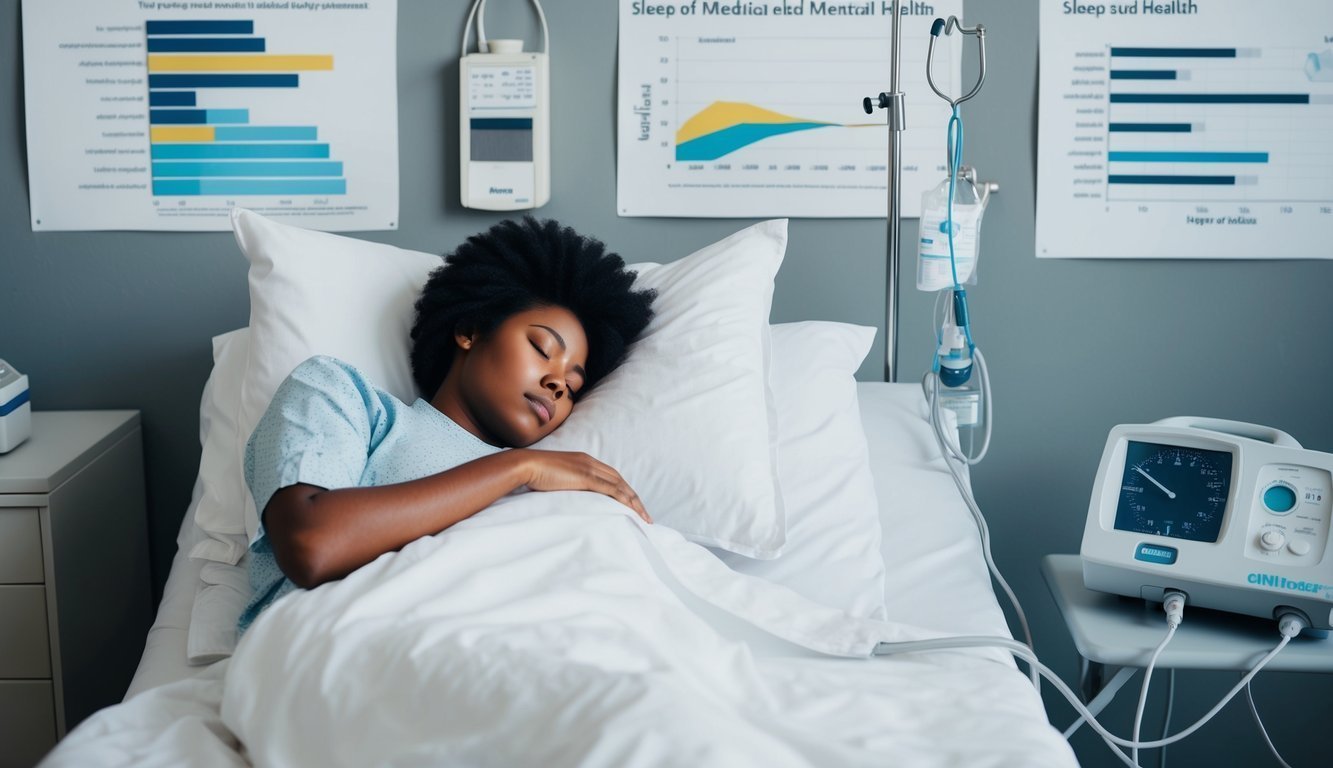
<point>555,629</point>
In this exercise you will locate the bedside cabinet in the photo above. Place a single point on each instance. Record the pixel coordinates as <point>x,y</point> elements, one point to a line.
<point>75,599</point>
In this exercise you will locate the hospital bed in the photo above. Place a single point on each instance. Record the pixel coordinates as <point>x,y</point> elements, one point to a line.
<point>715,689</point>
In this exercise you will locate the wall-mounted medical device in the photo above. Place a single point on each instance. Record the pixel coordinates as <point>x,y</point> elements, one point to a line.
<point>1234,515</point>
<point>15,410</point>
<point>504,120</point>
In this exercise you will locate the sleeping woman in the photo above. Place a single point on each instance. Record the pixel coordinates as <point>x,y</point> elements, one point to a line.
<point>518,324</point>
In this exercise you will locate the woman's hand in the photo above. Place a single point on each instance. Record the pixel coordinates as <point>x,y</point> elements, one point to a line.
<point>570,471</point>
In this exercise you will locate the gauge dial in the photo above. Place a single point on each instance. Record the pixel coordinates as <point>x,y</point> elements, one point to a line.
<point>1171,490</point>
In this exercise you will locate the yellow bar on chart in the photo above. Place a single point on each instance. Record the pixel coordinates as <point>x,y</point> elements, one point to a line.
<point>246,63</point>
<point>182,133</point>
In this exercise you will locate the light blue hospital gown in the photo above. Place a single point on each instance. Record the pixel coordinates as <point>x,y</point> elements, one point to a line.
<point>329,426</point>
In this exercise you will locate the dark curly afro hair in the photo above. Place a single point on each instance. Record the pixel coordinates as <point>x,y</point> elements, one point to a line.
<point>515,266</point>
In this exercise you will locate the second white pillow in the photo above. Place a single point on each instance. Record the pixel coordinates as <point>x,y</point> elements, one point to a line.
<point>832,554</point>
<point>687,420</point>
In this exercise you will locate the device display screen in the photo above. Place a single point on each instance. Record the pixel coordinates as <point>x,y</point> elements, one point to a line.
<point>502,139</point>
<point>1170,490</point>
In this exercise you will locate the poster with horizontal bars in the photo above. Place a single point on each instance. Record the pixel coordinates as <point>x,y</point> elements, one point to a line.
<point>1185,129</point>
<point>164,115</point>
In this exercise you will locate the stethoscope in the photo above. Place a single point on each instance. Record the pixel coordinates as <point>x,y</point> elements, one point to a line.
<point>947,28</point>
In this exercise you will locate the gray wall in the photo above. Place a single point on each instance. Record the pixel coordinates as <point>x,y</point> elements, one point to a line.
<point>122,320</point>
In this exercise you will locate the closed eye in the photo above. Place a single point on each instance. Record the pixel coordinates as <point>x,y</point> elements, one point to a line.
<point>540,351</point>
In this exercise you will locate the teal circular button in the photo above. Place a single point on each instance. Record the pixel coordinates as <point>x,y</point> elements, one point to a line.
<point>1279,499</point>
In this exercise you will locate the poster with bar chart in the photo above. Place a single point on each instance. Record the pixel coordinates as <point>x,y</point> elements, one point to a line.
<point>750,109</point>
<point>165,115</point>
<point>1191,129</point>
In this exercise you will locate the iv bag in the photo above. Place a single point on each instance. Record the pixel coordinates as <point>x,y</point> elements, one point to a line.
<point>933,272</point>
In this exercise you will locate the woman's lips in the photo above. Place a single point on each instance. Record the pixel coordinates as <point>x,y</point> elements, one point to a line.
<point>542,407</point>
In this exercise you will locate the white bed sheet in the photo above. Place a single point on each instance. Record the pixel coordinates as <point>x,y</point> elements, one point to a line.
<point>931,548</point>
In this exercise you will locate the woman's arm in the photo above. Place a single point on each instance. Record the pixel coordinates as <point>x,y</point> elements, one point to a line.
<point>319,535</point>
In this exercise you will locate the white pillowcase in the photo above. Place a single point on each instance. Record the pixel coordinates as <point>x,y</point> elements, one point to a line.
<point>833,525</point>
<point>222,589</point>
<point>315,293</point>
<point>687,419</point>
<point>221,509</point>
<point>703,459</point>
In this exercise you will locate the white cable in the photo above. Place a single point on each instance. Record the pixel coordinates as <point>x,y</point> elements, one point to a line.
<point>1249,697</point>
<point>1025,653</point>
<point>482,44</point>
<point>982,527</point>
<point>1143,689</point>
<point>467,28</point>
<point>1166,718</point>
<point>479,10</point>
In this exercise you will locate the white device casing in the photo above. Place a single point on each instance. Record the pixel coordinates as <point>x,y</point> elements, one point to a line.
<point>16,423</point>
<point>1241,572</point>
<point>508,85</point>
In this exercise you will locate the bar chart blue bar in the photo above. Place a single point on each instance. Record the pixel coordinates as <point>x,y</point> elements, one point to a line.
<point>171,98</point>
<point>1210,98</point>
<point>1175,53</point>
<point>224,81</point>
<point>229,157</point>
<point>205,44</point>
<point>245,169</point>
<point>1188,157</point>
<point>200,27</point>
<point>1151,127</point>
<point>191,187</point>
<point>265,133</point>
<point>1143,74</point>
<point>1173,180</point>
<point>238,151</point>
<point>197,116</point>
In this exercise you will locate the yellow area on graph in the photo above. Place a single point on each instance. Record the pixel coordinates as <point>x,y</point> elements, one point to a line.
<point>721,115</point>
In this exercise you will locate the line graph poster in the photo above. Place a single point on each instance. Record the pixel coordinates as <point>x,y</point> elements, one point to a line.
<point>1192,129</point>
<point>753,108</point>
<point>164,115</point>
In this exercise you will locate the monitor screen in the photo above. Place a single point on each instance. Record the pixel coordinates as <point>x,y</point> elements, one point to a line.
<point>1171,490</point>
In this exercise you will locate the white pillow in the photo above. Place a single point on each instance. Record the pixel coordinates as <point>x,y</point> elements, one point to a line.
<point>833,526</point>
<point>221,509</point>
<point>687,419</point>
<point>703,462</point>
<point>318,293</point>
<point>221,590</point>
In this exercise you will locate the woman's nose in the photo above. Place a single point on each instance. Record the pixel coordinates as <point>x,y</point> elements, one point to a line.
<point>556,386</point>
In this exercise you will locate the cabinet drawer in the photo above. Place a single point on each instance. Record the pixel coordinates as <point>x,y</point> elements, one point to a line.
<point>24,651</point>
<point>27,722</point>
<point>20,547</point>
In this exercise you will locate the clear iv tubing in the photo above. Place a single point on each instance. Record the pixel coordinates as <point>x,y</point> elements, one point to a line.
<point>930,382</point>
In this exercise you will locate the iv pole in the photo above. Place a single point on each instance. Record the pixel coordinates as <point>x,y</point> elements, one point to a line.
<point>894,102</point>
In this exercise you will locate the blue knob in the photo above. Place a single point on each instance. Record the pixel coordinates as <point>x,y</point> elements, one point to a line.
<point>1279,499</point>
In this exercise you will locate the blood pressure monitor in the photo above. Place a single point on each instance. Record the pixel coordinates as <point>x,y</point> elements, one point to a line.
<point>1234,515</point>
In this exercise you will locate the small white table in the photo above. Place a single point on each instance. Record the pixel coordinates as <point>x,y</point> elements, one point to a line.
<point>1117,632</point>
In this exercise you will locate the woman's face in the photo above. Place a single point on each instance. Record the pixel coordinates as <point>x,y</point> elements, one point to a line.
<point>516,384</point>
